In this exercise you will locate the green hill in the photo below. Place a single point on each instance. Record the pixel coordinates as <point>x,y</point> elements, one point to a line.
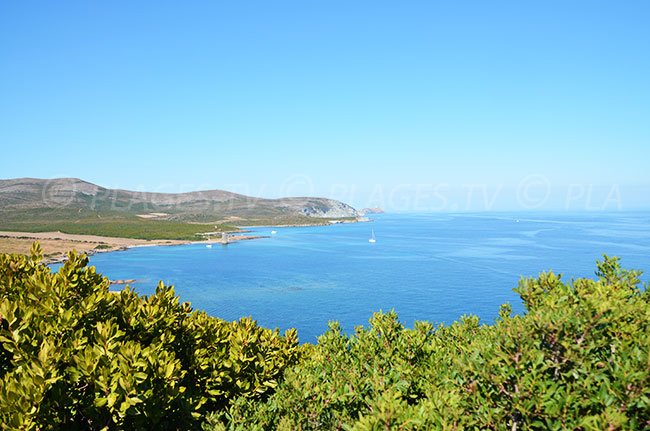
<point>74,206</point>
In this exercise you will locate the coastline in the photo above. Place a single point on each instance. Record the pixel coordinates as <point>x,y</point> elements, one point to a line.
<point>55,245</point>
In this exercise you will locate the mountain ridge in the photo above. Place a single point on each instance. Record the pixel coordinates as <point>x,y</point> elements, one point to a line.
<point>77,194</point>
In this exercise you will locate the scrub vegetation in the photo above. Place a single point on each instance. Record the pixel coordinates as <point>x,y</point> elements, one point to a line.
<point>106,224</point>
<point>74,355</point>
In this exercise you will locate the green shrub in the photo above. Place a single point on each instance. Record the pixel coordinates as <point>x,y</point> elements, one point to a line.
<point>75,356</point>
<point>577,359</point>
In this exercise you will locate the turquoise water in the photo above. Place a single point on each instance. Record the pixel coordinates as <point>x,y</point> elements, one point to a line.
<point>433,267</point>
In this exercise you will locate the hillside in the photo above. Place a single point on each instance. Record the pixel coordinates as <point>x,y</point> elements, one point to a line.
<point>75,206</point>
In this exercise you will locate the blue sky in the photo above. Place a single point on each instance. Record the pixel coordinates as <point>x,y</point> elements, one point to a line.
<point>432,105</point>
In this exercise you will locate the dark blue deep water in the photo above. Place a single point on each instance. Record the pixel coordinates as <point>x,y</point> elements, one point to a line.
<point>433,267</point>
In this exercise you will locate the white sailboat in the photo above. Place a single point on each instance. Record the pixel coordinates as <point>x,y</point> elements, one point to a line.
<point>372,238</point>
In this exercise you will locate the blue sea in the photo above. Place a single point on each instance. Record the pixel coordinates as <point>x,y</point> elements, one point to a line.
<point>434,267</point>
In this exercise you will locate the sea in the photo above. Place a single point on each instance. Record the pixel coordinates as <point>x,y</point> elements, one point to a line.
<point>434,267</point>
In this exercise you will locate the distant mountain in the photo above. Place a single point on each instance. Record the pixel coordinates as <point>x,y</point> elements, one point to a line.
<point>74,196</point>
<point>371,211</point>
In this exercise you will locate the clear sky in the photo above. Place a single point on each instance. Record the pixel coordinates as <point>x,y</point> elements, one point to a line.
<point>411,105</point>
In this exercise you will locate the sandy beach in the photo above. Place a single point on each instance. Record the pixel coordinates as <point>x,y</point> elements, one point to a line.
<point>55,245</point>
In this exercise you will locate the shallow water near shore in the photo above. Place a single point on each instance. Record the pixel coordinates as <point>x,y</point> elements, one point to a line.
<point>433,267</point>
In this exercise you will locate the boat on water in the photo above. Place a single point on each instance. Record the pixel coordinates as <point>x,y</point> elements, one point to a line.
<point>372,238</point>
<point>208,246</point>
<point>273,232</point>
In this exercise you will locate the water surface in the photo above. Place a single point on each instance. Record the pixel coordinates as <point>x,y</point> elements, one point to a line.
<point>433,267</point>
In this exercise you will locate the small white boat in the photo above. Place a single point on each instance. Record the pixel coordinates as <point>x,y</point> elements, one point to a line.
<point>372,238</point>
<point>208,245</point>
<point>273,232</point>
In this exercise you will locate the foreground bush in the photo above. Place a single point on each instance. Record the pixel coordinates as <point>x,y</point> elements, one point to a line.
<point>577,360</point>
<point>75,356</point>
